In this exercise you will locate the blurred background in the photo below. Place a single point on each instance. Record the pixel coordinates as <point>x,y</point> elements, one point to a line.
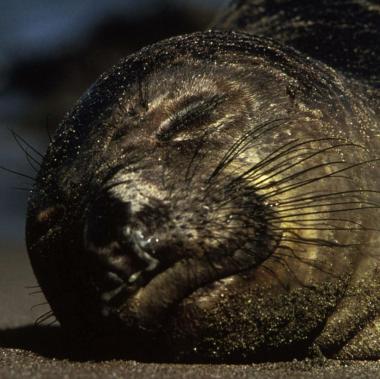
<point>50,52</point>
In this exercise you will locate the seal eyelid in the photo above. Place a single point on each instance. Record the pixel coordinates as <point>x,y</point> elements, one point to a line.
<point>191,114</point>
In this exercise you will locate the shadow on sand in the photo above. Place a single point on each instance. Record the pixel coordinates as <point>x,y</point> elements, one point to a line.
<point>47,341</point>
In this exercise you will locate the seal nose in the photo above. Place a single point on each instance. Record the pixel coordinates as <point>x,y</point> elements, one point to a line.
<point>105,220</point>
<point>121,255</point>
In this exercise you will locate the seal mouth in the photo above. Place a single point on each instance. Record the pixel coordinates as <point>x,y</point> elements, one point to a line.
<point>188,280</point>
<point>115,283</point>
<point>143,298</point>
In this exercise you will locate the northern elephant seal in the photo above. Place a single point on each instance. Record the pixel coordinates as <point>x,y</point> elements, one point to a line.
<point>214,197</point>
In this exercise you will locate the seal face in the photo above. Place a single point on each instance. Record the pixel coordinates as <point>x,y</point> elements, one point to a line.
<point>209,199</point>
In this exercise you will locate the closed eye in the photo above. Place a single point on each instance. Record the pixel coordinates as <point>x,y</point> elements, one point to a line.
<point>195,112</point>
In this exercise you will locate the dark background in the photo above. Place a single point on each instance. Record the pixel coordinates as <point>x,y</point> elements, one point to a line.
<point>50,52</point>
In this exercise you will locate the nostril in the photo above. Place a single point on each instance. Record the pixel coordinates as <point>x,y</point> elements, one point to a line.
<point>106,219</point>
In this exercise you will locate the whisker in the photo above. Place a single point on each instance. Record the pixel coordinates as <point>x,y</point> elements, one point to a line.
<point>48,130</point>
<point>324,212</point>
<point>31,160</point>
<point>25,189</point>
<point>18,138</point>
<point>17,173</point>
<point>290,166</point>
<point>312,180</point>
<point>38,305</point>
<point>293,148</point>
<point>34,293</point>
<point>44,317</point>
<point>242,144</point>
<point>280,209</point>
<point>299,198</point>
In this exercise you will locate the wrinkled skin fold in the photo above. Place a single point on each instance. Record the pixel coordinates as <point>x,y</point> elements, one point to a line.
<point>215,197</point>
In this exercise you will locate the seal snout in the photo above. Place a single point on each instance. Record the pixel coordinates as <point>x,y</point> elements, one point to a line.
<point>119,247</point>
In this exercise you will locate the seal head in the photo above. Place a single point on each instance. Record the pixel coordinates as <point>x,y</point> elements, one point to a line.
<point>208,199</point>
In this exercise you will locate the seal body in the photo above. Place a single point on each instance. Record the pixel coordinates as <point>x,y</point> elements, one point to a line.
<point>214,197</point>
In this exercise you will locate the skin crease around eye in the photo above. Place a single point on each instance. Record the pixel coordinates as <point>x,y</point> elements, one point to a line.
<point>195,112</point>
